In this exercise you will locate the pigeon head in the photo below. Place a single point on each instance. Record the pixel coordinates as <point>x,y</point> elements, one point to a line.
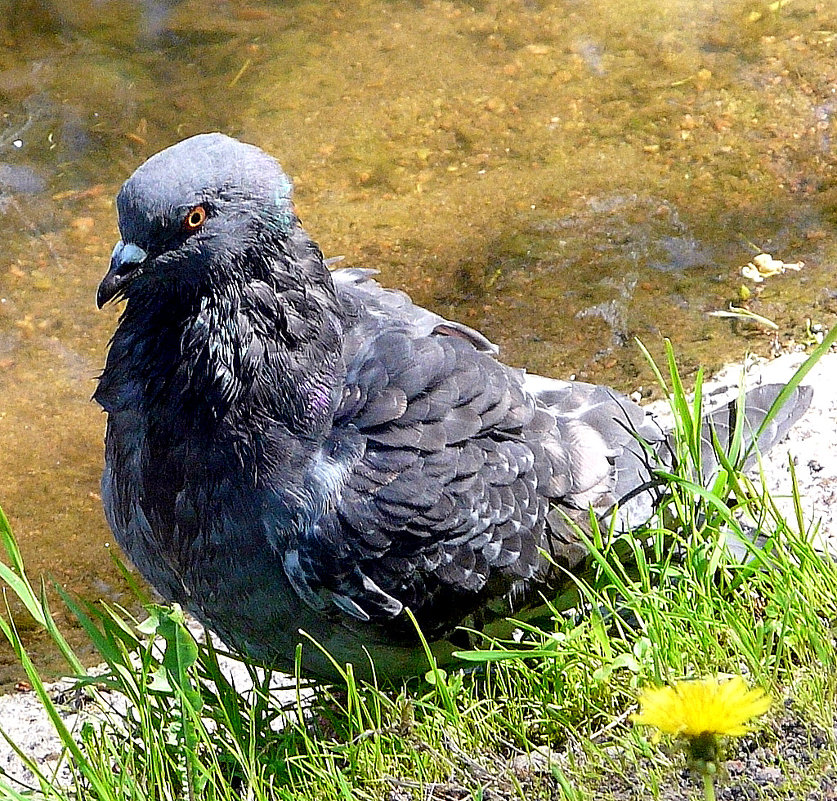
<point>191,214</point>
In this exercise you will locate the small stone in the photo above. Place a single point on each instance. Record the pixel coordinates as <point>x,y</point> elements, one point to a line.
<point>769,775</point>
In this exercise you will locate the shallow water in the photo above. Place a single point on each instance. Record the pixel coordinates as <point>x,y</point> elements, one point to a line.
<point>564,176</point>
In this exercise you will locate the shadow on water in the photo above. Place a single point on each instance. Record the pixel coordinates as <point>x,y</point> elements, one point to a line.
<point>565,176</point>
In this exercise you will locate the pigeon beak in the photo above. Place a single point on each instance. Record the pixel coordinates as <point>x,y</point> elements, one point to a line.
<point>125,263</point>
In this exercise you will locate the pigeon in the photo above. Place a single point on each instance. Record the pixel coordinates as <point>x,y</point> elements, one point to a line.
<point>295,454</point>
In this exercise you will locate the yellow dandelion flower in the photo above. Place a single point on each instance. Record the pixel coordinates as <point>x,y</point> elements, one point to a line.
<point>702,707</point>
<point>703,711</point>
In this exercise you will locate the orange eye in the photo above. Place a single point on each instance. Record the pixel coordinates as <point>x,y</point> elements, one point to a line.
<point>195,218</point>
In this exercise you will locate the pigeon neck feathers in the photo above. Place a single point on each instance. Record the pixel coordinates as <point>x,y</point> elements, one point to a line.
<point>229,350</point>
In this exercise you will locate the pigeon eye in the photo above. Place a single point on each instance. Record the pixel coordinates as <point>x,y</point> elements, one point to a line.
<point>194,219</point>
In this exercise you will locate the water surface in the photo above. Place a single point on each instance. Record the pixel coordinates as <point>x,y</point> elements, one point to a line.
<point>565,176</point>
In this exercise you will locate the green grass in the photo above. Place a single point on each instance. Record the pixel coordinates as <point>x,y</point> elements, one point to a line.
<point>545,717</point>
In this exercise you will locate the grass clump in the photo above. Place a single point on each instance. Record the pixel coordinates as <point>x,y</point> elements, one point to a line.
<point>543,716</point>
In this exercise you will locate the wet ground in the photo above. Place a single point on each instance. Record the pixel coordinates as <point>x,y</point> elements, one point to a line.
<point>564,176</point>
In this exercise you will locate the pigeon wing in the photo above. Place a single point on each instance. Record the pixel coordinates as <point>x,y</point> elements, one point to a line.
<point>440,505</point>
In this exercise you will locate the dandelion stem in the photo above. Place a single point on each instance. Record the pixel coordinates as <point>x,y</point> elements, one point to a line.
<point>709,787</point>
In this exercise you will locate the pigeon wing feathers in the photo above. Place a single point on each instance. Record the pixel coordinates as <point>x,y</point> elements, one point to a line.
<point>445,495</point>
<point>461,457</point>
